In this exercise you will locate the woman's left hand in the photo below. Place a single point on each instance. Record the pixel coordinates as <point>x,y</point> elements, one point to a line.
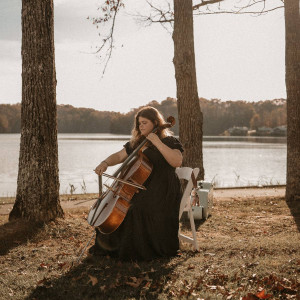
<point>153,138</point>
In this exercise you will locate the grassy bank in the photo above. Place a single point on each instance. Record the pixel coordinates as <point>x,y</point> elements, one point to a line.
<point>249,250</point>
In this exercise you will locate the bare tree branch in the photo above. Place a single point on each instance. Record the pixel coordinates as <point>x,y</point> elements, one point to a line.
<point>165,16</point>
<point>110,9</point>
<point>204,3</point>
<point>238,13</point>
<point>157,15</point>
<point>251,4</point>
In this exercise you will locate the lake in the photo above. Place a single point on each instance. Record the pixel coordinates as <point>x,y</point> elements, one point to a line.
<point>228,161</point>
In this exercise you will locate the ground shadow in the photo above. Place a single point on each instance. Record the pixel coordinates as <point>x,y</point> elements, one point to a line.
<point>107,278</point>
<point>16,233</point>
<point>186,225</point>
<point>294,207</point>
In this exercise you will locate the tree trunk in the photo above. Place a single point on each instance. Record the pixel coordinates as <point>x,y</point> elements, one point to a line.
<point>292,78</point>
<point>37,197</point>
<point>189,112</point>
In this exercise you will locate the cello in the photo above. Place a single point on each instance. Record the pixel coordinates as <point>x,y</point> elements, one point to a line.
<point>110,209</point>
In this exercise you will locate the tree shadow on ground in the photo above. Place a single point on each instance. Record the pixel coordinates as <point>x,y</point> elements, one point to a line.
<point>106,278</point>
<point>16,233</point>
<point>294,207</point>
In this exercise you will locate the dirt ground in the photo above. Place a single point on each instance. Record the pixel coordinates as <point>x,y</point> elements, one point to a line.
<point>86,200</point>
<point>249,249</point>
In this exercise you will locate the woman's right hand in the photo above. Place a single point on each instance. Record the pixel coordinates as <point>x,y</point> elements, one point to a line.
<point>101,168</point>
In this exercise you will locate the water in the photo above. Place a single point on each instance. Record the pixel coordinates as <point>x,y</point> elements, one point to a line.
<point>228,161</point>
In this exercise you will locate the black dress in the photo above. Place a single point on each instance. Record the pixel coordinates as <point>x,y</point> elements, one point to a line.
<point>150,228</point>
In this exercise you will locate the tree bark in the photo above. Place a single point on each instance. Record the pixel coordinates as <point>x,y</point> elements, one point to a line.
<point>37,196</point>
<point>292,79</point>
<point>189,112</point>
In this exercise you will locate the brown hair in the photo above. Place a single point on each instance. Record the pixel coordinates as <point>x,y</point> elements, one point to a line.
<point>153,115</point>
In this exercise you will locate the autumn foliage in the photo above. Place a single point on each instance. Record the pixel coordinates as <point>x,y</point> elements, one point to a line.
<point>218,116</point>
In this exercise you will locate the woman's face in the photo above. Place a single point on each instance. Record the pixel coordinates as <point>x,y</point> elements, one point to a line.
<point>145,126</point>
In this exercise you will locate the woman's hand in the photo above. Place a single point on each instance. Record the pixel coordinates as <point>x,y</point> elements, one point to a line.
<point>112,160</point>
<point>101,168</point>
<point>172,156</point>
<point>154,139</point>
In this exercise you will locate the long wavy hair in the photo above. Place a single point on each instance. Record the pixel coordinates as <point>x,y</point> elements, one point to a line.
<point>152,114</point>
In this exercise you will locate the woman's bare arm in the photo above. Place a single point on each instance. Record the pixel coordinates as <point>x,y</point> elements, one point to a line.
<point>112,160</point>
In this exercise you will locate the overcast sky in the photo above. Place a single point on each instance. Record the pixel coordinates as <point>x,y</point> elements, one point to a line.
<point>237,57</point>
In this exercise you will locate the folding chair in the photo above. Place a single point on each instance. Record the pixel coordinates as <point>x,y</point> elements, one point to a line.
<point>185,204</point>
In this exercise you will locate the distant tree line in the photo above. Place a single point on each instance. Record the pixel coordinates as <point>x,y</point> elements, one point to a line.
<point>218,116</point>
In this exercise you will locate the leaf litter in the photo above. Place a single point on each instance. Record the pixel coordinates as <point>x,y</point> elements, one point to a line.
<point>249,250</point>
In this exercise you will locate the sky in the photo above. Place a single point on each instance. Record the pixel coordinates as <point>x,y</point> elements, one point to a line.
<point>238,57</point>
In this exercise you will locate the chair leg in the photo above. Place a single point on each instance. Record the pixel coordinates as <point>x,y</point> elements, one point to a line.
<point>192,222</point>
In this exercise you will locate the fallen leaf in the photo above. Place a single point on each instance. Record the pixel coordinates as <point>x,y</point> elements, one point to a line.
<point>11,292</point>
<point>136,282</point>
<point>263,295</point>
<point>93,279</point>
<point>210,254</point>
<point>136,266</point>
<point>44,266</point>
<point>171,293</point>
<point>61,264</point>
<point>41,282</point>
<point>212,287</point>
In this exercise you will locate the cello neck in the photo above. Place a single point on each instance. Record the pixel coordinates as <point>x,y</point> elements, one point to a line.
<point>133,154</point>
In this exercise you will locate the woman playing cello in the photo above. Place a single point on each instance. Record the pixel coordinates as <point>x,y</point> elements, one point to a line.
<point>150,228</point>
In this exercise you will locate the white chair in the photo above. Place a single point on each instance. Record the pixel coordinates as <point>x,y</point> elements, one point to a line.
<point>185,205</point>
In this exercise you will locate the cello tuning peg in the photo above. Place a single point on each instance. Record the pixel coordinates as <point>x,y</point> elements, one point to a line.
<point>171,120</point>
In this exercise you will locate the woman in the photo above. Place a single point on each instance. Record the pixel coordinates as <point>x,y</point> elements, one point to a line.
<point>150,228</point>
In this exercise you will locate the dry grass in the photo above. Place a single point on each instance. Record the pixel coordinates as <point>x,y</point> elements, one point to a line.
<point>247,246</point>
<point>64,197</point>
